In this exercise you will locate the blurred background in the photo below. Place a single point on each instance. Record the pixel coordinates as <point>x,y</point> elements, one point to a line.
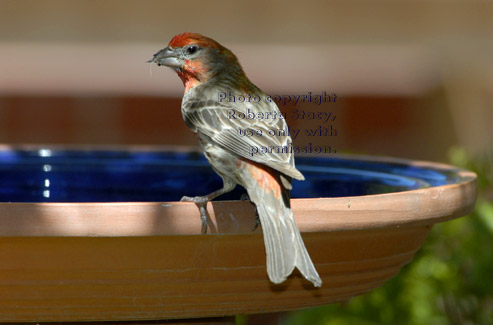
<point>413,79</point>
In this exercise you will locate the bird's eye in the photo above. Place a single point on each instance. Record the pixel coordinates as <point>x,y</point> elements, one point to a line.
<point>192,49</point>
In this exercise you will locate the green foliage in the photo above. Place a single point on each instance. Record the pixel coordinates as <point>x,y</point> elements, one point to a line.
<point>450,280</point>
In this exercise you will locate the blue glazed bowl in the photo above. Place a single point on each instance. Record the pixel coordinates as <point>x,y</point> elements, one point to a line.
<point>51,175</point>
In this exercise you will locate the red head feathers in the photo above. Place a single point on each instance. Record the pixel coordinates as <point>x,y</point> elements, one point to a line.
<point>184,39</point>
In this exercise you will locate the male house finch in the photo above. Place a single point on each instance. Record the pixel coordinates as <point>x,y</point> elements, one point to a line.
<point>207,70</point>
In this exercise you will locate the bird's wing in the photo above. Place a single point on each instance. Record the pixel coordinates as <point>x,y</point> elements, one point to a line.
<point>246,129</point>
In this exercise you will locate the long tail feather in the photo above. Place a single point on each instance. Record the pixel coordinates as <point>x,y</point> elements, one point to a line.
<point>284,246</point>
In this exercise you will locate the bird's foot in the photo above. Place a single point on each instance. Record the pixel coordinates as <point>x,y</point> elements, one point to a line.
<point>195,199</point>
<point>201,202</point>
<point>245,197</point>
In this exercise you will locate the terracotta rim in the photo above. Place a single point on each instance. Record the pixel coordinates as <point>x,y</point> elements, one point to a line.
<point>409,208</point>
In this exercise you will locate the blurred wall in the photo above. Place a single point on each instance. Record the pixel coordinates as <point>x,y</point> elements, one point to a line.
<point>413,78</point>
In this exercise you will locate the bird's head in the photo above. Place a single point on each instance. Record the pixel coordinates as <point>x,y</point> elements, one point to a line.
<point>198,59</point>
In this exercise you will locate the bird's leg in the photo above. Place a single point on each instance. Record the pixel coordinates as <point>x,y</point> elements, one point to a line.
<point>208,197</point>
<point>201,201</point>
<point>245,197</point>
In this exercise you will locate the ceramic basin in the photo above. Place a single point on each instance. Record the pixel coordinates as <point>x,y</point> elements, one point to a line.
<point>97,234</point>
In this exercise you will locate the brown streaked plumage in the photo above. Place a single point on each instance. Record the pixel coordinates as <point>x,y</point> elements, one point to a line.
<point>208,69</point>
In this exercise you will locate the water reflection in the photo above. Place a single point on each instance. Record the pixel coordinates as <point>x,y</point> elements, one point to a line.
<point>48,175</point>
<point>44,152</point>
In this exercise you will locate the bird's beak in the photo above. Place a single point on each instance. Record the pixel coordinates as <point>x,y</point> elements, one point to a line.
<point>167,57</point>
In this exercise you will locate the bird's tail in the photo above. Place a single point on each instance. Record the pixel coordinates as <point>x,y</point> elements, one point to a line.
<point>283,243</point>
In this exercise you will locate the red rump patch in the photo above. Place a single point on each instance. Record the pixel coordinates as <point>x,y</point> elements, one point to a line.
<point>184,39</point>
<point>265,177</point>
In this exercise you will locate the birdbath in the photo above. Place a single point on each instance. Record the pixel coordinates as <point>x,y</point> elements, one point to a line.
<point>99,235</point>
